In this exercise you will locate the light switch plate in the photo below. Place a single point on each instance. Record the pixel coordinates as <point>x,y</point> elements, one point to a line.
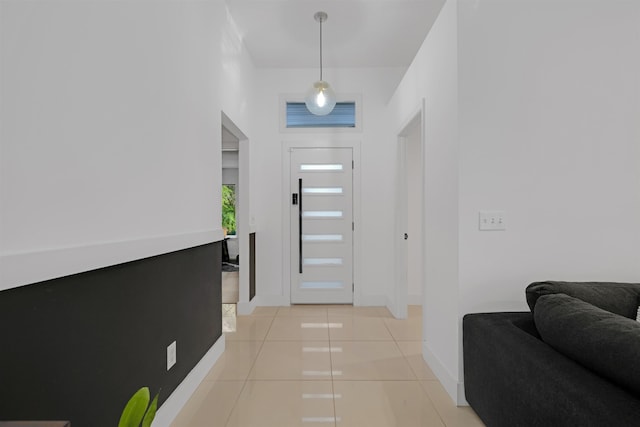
<point>493,221</point>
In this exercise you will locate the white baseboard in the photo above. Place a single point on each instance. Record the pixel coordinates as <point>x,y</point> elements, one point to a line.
<point>283,301</point>
<point>246,308</point>
<point>454,388</point>
<point>462,398</point>
<point>271,301</point>
<point>398,311</point>
<point>372,301</point>
<point>170,409</point>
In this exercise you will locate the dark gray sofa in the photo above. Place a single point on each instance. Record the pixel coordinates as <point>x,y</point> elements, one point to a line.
<point>513,377</point>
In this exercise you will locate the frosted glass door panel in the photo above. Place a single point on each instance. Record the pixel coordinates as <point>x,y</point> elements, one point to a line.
<point>322,191</point>
<point>323,214</point>
<point>322,238</point>
<point>321,167</point>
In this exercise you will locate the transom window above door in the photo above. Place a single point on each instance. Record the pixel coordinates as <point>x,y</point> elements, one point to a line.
<point>342,116</point>
<point>346,117</point>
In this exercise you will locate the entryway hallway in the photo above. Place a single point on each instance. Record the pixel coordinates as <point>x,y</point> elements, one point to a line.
<point>323,366</point>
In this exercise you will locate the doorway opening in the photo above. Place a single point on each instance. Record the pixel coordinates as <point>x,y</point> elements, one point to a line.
<point>230,246</point>
<point>409,241</point>
<point>235,219</point>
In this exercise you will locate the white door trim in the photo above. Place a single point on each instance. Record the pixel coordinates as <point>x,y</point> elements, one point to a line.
<point>320,142</point>
<point>244,209</point>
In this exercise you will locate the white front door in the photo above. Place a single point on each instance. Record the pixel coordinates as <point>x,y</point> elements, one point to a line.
<point>321,225</point>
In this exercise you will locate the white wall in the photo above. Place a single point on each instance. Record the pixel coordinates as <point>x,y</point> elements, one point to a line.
<point>548,131</point>
<point>110,138</point>
<point>550,134</point>
<point>433,77</point>
<point>237,79</point>
<point>376,175</point>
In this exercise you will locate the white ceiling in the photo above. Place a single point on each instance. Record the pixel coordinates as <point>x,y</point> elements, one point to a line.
<point>358,33</point>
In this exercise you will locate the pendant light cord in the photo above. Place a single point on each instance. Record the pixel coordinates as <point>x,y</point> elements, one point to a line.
<point>321,49</point>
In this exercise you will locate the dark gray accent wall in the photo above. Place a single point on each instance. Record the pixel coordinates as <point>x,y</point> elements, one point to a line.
<point>77,347</point>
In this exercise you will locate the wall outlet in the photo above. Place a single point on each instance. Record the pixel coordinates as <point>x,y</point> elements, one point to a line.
<point>493,220</point>
<point>171,355</point>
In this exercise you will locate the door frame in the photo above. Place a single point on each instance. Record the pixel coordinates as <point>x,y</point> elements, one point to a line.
<point>243,215</point>
<point>400,291</point>
<point>320,142</point>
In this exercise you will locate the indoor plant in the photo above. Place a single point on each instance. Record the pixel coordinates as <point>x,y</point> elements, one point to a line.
<point>138,412</point>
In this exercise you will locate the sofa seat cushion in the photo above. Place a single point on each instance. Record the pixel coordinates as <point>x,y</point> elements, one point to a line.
<point>618,298</point>
<point>604,342</point>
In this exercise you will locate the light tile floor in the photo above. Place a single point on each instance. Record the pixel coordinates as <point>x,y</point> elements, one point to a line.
<point>322,366</point>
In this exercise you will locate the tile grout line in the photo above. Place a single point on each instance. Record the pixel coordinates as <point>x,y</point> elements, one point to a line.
<point>418,380</point>
<point>435,407</point>
<point>333,388</point>
<point>244,384</point>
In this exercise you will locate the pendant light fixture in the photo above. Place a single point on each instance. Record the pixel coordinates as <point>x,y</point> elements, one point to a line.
<point>320,99</point>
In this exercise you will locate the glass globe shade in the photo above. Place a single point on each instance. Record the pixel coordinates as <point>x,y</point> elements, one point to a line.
<point>320,99</point>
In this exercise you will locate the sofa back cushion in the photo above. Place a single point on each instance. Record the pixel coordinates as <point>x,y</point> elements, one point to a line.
<point>619,298</point>
<point>604,342</point>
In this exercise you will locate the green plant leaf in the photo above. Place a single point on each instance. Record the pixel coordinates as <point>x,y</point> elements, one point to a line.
<point>151,412</point>
<point>229,208</point>
<point>135,409</point>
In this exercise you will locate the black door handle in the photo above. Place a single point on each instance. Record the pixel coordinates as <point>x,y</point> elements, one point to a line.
<point>406,236</point>
<point>300,224</point>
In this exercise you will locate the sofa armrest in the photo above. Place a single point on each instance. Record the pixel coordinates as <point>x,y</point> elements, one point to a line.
<point>514,379</point>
